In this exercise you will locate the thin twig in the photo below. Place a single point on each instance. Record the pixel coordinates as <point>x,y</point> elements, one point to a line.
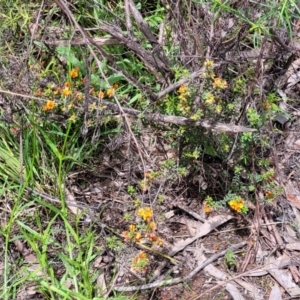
<point>192,213</point>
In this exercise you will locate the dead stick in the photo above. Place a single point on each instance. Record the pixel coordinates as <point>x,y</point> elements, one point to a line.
<point>157,117</point>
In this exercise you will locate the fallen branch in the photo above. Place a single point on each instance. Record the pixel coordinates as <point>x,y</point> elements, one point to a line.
<point>77,41</point>
<point>181,279</point>
<point>157,117</point>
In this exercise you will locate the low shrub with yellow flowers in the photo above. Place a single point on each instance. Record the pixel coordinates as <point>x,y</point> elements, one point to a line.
<point>212,87</point>
<point>184,95</point>
<point>238,204</point>
<point>140,262</point>
<point>210,205</point>
<point>219,83</point>
<point>234,201</point>
<point>68,97</point>
<point>145,230</point>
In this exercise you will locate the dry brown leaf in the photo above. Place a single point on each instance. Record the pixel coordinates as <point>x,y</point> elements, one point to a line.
<point>71,203</point>
<point>275,293</point>
<point>191,225</point>
<point>292,194</point>
<point>27,292</point>
<point>294,199</point>
<point>169,214</point>
<point>293,246</point>
<point>281,277</point>
<point>204,229</point>
<point>297,144</point>
<point>292,73</point>
<point>101,284</point>
<point>98,262</point>
<point>234,292</point>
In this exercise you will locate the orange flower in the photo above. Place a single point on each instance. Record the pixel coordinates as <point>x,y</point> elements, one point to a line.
<point>140,261</point>
<point>138,236</point>
<point>38,92</point>
<point>269,194</point>
<point>67,84</point>
<point>219,83</point>
<point>132,227</point>
<point>152,225</point>
<point>101,95</point>
<point>207,208</point>
<point>110,93</point>
<point>49,105</point>
<point>115,86</point>
<point>142,255</point>
<point>152,237</point>
<point>146,213</point>
<point>148,175</point>
<point>74,73</point>
<point>237,204</point>
<point>126,236</point>
<point>159,241</point>
<point>182,89</point>
<point>66,92</point>
<point>56,91</point>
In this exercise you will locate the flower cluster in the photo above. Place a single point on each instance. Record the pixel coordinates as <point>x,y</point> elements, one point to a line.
<point>147,228</point>
<point>108,93</point>
<point>66,91</point>
<point>219,83</point>
<point>74,73</point>
<point>209,98</point>
<point>214,85</point>
<point>140,262</point>
<point>147,181</point>
<point>184,95</point>
<point>238,204</point>
<point>269,194</point>
<point>209,204</point>
<point>72,96</point>
<point>146,213</point>
<point>132,234</point>
<point>49,105</point>
<point>208,69</point>
<point>207,208</point>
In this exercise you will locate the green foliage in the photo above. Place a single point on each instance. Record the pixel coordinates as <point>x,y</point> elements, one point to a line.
<point>114,243</point>
<point>131,190</point>
<point>230,261</point>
